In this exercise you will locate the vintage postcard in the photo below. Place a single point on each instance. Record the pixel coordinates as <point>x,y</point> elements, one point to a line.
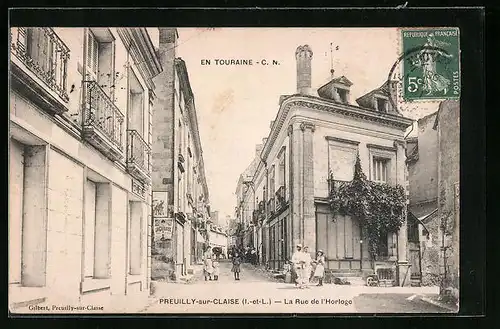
<point>160,170</point>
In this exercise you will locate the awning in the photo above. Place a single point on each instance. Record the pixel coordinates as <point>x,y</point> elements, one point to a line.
<point>422,219</point>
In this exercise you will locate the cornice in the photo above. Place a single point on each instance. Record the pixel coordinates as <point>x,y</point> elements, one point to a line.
<point>380,147</point>
<point>351,111</point>
<point>139,44</point>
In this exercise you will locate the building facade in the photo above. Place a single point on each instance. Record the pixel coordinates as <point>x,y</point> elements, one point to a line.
<point>423,225</point>
<point>80,171</point>
<point>447,125</point>
<point>247,201</point>
<point>218,239</point>
<point>312,145</point>
<point>178,167</point>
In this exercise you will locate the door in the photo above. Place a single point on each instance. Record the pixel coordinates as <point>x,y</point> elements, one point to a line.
<point>416,273</point>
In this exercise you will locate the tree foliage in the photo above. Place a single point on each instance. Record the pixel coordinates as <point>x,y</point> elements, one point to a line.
<point>378,206</point>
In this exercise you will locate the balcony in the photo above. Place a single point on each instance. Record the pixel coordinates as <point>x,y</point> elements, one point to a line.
<point>280,198</point>
<point>102,121</point>
<point>42,53</point>
<point>138,153</point>
<point>335,184</point>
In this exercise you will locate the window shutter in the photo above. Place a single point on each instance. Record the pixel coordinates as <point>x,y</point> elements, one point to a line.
<point>92,54</point>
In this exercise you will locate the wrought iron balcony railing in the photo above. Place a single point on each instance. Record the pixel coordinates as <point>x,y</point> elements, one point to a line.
<point>44,54</point>
<point>335,184</point>
<point>101,113</point>
<point>138,153</point>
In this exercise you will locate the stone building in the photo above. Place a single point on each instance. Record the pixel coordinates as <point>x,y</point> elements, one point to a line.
<point>424,234</point>
<point>447,125</point>
<point>247,202</point>
<point>80,171</point>
<point>178,167</point>
<point>316,135</point>
<point>218,239</point>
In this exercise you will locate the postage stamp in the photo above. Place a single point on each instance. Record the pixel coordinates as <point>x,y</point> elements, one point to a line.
<point>431,68</point>
<point>163,170</point>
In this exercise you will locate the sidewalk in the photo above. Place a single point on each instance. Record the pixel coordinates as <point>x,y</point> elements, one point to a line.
<point>437,301</point>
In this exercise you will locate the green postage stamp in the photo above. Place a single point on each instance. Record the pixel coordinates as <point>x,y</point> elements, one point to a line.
<point>431,65</point>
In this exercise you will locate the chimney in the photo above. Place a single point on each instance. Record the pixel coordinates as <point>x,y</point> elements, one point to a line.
<point>303,55</point>
<point>264,140</point>
<point>271,124</point>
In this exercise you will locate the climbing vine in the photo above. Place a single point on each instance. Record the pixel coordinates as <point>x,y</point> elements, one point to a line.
<point>378,206</point>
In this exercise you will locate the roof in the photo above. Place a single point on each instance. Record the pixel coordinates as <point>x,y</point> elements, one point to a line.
<point>365,100</point>
<point>423,210</point>
<point>326,91</point>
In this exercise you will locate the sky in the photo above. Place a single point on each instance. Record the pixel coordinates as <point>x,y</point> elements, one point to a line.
<point>235,104</point>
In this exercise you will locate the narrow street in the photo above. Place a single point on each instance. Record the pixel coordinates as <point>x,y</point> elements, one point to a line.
<point>256,292</point>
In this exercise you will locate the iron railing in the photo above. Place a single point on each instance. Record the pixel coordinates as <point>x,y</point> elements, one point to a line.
<point>138,151</point>
<point>101,113</point>
<point>44,54</point>
<point>335,184</point>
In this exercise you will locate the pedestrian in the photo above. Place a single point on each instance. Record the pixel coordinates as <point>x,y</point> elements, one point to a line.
<point>236,266</point>
<point>253,256</point>
<point>207,264</point>
<point>307,265</point>
<point>215,265</point>
<point>319,272</point>
<point>298,265</point>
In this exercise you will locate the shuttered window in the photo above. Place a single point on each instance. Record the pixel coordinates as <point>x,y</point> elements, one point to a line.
<point>92,54</point>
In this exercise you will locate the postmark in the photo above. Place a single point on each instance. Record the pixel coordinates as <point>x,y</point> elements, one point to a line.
<point>431,67</point>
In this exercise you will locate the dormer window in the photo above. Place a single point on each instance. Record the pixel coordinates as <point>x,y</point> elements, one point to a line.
<point>344,95</point>
<point>382,105</point>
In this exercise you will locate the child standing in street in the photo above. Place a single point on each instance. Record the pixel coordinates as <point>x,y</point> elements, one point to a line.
<point>236,266</point>
<point>319,272</point>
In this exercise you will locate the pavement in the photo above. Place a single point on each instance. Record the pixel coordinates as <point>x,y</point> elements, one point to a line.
<point>258,292</point>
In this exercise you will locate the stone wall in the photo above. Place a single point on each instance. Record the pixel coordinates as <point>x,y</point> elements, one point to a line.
<point>449,176</point>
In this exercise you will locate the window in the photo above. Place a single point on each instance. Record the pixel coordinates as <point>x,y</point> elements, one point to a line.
<point>136,105</point>
<point>271,181</point>
<point>379,171</point>
<point>387,245</point>
<point>135,237</point>
<point>92,55</point>
<point>344,95</point>
<point>27,231</point>
<point>382,105</point>
<point>179,137</point>
<point>97,228</point>
<point>100,59</point>
<point>281,173</point>
<point>341,159</point>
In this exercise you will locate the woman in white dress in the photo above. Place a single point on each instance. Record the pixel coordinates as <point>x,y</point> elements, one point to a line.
<point>207,265</point>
